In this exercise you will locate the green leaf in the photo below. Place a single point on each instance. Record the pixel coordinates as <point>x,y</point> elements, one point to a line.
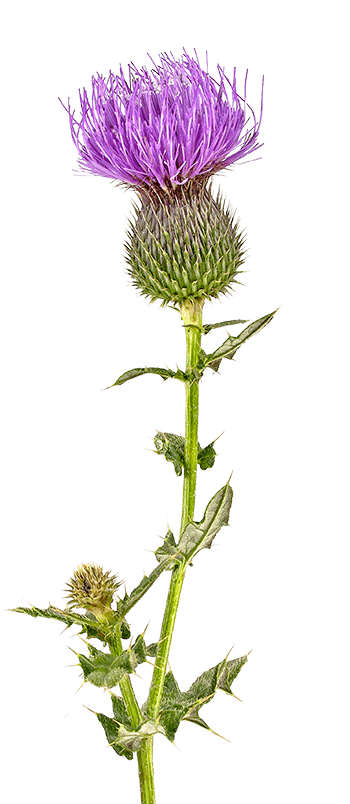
<point>206,457</point>
<point>111,729</point>
<point>173,448</point>
<point>194,717</point>
<point>198,535</point>
<point>207,327</point>
<point>104,669</point>
<point>176,705</point>
<point>89,624</point>
<point>119,710</point>
<point>230,672</point>
<point>125,632</point>
<point>168,549</point>
<point>132,740</point>
<point>138,372</point>
<point>172,707</point>
<point>230,346</point>
<point>129,601</point>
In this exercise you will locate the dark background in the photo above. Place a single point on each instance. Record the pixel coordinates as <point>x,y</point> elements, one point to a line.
<point>79,483</point>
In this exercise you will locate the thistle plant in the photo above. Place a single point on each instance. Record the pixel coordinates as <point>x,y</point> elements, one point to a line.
<point>164,132</point>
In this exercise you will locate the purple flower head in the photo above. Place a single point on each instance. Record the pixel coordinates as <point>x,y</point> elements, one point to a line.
<point>162,127</point>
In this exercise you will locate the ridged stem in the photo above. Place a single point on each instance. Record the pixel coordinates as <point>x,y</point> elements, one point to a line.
<point>191,313</point>
<point>145,754</point>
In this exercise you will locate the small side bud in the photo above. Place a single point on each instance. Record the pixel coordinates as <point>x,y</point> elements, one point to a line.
<point>91,588</point>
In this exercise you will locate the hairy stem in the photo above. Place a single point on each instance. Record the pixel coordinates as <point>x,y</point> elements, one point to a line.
<point>126,688</point>
<point>145,754</point>
<point>192,317</point>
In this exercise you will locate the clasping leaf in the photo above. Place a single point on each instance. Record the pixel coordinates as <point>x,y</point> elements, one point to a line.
<point>230,346</point>
<point>198,535</point>
<point>173,448</point>
<point>176,706</point>
<point>118,730</point>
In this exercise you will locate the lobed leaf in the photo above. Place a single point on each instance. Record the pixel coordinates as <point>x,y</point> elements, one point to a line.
<point>173,448</point>
<point>230,346</point>
<point>118,730</point>
<point>198,535</point>
<point>106,670</point>
<point>176,706</point>
<point>89,624</point>
<point>168,549</point>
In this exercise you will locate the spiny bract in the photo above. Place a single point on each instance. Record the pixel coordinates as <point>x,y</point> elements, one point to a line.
<point>91,588</point>
<point>184,246</point>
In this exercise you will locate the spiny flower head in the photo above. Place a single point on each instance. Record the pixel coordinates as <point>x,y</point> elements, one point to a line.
<point>91,588</point>
<point>186,247</point>
<point>164,126</point>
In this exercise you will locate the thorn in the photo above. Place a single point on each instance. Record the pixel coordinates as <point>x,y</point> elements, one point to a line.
<point>143,632</point>
<point>216,439</point>
<point>79,688</point>
<point>226,657</point>
<point>236,696</point>
<point>219,735</point>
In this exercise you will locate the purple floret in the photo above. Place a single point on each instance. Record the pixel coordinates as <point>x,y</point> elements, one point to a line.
<point>160,128</point>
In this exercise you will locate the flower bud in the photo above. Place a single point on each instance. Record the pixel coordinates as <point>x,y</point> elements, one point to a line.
<point>91,588</point>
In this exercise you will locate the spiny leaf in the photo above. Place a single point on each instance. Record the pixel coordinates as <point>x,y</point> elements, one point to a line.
<point>198,535</point>
<point>119,710</point>
<point>111,729</point>
<point>105,670</point>
<point>120,735</point>
<point>173,448</point>
<point>193,717</point>
<point>207,327</point>
<point>132,740</point>
<point>206,456</point>
<point>138,372</point>
<point>140,590</point>
<point>168,548</point>
<point>230,346</point>
<point>230,672</point>
<point>176,705</point>
<point>89,625</point>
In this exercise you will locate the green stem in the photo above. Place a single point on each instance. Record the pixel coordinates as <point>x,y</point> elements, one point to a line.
<point>146,772</point>
<point>145,754</point>
<point>192,317</point>
<point>126,688</point>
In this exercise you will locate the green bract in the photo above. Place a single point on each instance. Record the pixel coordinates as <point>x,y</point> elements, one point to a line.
<point>184,247</point>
